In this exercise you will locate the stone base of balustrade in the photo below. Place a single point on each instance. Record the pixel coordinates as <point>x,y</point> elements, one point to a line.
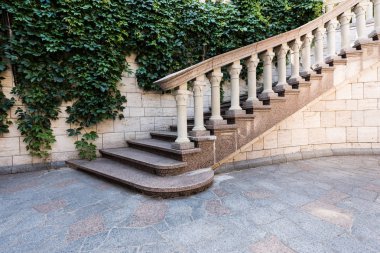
<point>267,96</point>
<point>217,122</point>
<point>359,42</point>
<point>252,104</point>
<point>306,74</point>
<point>294,80</point>
<point>183,146</point>
<point>235,112</point>
<point>280,88</point>
<point>199,133</point>
<point>375,34</point>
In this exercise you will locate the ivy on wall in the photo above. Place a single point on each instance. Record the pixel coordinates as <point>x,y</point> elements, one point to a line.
<point>5,103</point>
<point>74,50</point>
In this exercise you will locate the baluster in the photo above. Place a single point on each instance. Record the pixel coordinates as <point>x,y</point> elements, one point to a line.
<point>331,33</point>
<point>268,90</point>
<point>329,7</point>
<point>369,14</point>
<point>215,78</point>
<point>252,99</point>
<point>234,71</point>
<point>360,10</point>
<point>199,128</point>
<point>306,54</point>
<point>318,34</point>
<point>281,53</point>
<point>182,141</point>
<point>295,77</point>
<point>344,21</point>
<point>376,31</point>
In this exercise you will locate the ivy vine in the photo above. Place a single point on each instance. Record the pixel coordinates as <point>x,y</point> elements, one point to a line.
<point>5,103</point>
<point>74,50</point>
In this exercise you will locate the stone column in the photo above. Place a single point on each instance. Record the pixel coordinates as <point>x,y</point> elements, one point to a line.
<point>344,21</point>
<point>281,53</point>
<point>182,141</point>
<point>306,54</point>
<point>234,71</point>
<point>296,45</point>
<point>199,128</point>
<point>360,10</point>
<point>252,99</point>
<point>318,34</point>
<point>369,12</point>
<point>376,31</point>
<point>268,90</point>
<point>215,78</point>
<point>331,34</point>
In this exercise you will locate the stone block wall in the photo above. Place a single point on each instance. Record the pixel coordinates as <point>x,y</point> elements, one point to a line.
<point>342,121</point>
<point>144,112</point>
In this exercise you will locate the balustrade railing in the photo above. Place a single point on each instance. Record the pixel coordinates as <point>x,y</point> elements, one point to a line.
<point>298,42</point>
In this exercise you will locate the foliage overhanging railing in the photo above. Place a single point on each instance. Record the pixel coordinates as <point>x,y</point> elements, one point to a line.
<point>297,40</point>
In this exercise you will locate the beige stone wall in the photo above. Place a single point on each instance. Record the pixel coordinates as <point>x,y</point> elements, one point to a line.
<point>145,112</point>
<point>347,117</point>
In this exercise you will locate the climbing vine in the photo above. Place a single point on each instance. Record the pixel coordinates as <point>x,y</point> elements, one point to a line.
<point>5,103</point>
<point>74,51</point>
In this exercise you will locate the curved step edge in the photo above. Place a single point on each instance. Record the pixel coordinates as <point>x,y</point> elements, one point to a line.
<point>147,183</point>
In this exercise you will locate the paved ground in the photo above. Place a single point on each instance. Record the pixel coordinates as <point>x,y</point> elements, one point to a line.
<point>320,205</point>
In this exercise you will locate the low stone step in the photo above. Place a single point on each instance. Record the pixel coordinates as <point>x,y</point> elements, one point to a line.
<point>173,128</point>
<point>150,162</point>
<point>161,147</point>
<point>164,135</point>
<point>171,186</point>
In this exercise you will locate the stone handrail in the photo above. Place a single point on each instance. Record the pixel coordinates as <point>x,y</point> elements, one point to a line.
<point>176,79</point>
<point>298,42</point>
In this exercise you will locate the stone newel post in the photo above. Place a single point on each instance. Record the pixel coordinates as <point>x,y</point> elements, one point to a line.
<point>296,61</point>
<point>252,63</point>
<point>215,78</point>
<point>360,10</point>
<point>319,33</point>
<point>344,21</point>
<point>234,71</point>
<point>268,90</point>
<point>281,53</point>
<point>181,97</point>
<point>376,7</point>
<point>331,34</point>
<point>306,54</point>
<point>199,128</point>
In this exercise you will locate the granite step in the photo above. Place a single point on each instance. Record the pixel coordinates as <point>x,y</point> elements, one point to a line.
<point>145,182</point>
<point>161,147</point>
<point>147,161</point>
<point>164,135</point>
<point>173,128</point>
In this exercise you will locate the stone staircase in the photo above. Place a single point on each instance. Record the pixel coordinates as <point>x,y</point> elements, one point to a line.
<point>180,161</point>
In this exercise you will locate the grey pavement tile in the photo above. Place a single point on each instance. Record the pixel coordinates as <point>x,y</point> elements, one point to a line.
<point>314,227</point>
<point>284,229</point>
<point>364,194</point>
<point>195,232</point>
<point>345,243</point>
<point>165,247</point>
<point>270,244</point>
<point>123,237</point>
<point>307,244</point>
<point>70,211</point>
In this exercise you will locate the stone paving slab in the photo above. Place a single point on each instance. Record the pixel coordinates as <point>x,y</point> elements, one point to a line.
<point>319,205</point>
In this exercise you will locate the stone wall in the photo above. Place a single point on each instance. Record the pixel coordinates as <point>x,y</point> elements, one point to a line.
<point>145,112</point>
<point>344,120</point>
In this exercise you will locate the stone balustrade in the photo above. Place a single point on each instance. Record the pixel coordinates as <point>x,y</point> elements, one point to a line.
<point>298,43</point>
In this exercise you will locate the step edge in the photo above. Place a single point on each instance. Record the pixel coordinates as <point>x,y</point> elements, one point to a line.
<point>154,166</point>
<point>156,190</point>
